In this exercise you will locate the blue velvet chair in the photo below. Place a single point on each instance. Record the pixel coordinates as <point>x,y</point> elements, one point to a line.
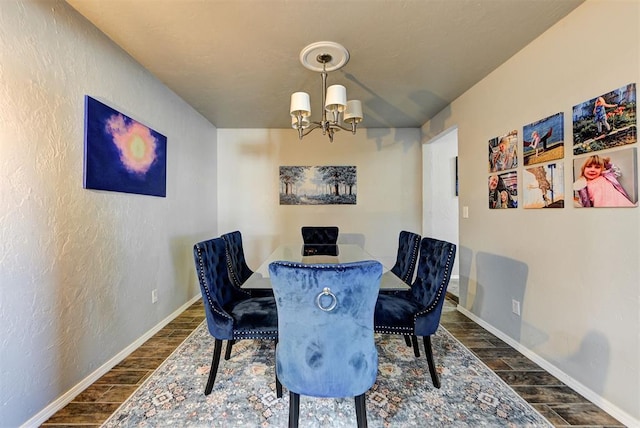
<point>408,249</point>
<point>416,312</point>
<point>320,240</point>
<point>325,331</point>
<point>230,312</point>
<point>239,272</point>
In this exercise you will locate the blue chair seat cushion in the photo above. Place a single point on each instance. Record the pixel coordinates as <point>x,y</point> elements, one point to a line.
<point>395,314</point>
<point>255,318</point>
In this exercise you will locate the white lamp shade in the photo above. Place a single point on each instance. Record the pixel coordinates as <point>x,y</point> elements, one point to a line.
<point>300,104</point>
<point>336,98</point>
<point>353,113</point>
<point>304,122</point>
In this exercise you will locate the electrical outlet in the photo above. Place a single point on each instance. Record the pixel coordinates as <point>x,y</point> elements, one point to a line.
<point>515,307</point>
<point>154,295</point>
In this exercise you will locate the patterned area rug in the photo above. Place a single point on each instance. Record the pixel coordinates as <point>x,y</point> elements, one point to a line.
<point>244,393</point>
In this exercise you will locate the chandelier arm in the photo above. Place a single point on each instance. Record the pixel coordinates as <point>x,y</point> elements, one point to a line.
<point>312,126</point>
<point>351,129</point>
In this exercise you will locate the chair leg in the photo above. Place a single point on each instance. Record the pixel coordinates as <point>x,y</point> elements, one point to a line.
<point>278,387</point>
<point>361,410</point>
<point>407,340</point>
<point>416,349</point>
<point>217,349</point>
<point>294,409</point>
<point>278,384</point>
<point>227,353</point>
<point>432,365</point>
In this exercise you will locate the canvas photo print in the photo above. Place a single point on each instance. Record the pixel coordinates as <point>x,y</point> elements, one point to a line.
<point>121,154</point>
<point>606,121</point>
<point>543,140</point>
<point>503,190</point>
<point>503,152</point>
<point>606,179</point>
<point>543,186</point>
<point>318,185</point>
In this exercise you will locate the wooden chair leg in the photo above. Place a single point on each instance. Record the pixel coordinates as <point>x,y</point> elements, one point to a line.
<point>361,411</point>
<point>407,340</point>
<point>294,409</point>
<point>217,350</point>
<point>416,349</point>
<point>432,365</point>
<point>227,353</point>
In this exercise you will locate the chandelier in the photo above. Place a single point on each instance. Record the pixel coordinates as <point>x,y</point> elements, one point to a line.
<point>337,112</point>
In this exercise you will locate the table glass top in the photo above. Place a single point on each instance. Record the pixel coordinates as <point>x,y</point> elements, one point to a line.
<point>293,253</point>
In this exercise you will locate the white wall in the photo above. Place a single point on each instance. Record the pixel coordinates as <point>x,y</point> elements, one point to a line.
<point>439,199</point>
<point>575,270</point>
<point>77,266</point>
<point>389,197</point>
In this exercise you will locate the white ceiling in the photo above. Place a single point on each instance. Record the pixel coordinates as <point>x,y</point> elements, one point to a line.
<point>236,61</point>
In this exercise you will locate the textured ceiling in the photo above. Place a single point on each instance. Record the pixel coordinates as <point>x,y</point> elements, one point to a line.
<point>236,61</point>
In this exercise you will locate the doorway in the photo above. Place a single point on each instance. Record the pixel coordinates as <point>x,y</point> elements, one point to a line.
<point>439,193</point>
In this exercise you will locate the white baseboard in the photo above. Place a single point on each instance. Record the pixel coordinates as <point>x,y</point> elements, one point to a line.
<point>68,396</point>
<point>590,395</point>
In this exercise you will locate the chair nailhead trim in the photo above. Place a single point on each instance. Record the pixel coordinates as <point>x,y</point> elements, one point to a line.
<point>203,281</point>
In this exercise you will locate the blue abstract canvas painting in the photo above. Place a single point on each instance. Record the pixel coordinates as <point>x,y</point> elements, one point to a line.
<point>121,154</point>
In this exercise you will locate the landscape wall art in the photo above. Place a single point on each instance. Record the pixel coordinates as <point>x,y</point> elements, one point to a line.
<point>121,154</point>
<point>318,185</point>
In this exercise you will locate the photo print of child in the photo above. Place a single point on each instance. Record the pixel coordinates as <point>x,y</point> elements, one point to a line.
<point>503,190</point>
<point>543,140</point>
<point>606,179</point>
<point>606,121</point>
<point>503,152</point>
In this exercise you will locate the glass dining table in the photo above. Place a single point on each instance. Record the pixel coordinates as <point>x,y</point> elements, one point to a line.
<point>344,253</point>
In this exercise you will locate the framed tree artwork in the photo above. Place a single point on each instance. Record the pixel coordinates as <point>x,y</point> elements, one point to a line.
<point>318,185</point>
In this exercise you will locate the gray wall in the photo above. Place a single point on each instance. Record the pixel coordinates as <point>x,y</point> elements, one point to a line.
<point>389,170</point>
<point>575,270</point>
<point>77,266</point>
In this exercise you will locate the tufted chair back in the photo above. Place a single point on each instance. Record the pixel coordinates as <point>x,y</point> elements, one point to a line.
<point>434,271</point>
<point>316,235</point>
<point>408,249</point>
<point>217,291</point>
<point>320,240</point>
<point>239,272</point>
<point>325,328</point>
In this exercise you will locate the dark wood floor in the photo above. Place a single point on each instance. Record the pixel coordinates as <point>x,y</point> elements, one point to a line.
<point>557,402</point>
